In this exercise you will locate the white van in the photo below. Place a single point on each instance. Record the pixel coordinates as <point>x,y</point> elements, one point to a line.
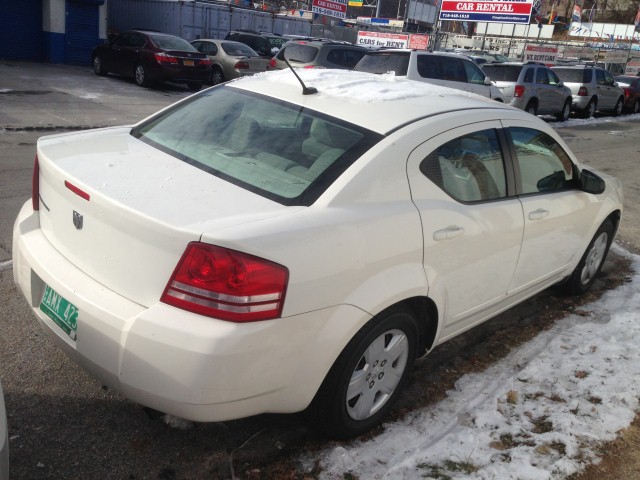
<point>446,69</point>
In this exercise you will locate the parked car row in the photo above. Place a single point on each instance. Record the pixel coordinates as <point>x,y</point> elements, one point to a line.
<point>534,87</point>
<point>542,90</point>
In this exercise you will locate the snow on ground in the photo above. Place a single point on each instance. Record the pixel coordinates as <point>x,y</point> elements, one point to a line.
<point>540,413</point>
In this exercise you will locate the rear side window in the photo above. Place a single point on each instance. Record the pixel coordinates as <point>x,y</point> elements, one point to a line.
<point>528,75</point>
<point>441,68</point>
<point>384,62</point>
<point>469,168</point>
<point>574,75</point>
<point>298,52</point>
<point>544,166</point>
<point>281,151</point>
<point>498,73</point>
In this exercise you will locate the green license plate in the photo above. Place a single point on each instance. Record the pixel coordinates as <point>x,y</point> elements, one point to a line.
<point>61,311</point>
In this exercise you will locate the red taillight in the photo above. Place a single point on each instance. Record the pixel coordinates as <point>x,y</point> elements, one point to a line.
<point>35,185</point>
<point>582,92</point>
<point>310,66</point>
<point>206,61</point>
<point>627,93</point>
<point>164,58</point>
<point>241,65</point>
<point>272,63</point>
<point>226,284</point>
<point>519,91</point>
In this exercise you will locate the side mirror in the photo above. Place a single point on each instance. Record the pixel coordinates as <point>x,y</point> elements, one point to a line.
<point>560,83</point>
<point>487,81</point>
<point>591,183</point>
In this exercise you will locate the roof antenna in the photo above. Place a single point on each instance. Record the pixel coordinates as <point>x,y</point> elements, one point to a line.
<point>305,90</point>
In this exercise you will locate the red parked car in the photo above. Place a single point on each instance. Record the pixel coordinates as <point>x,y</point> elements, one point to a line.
<point>631,87</point>
<point>151,57</point>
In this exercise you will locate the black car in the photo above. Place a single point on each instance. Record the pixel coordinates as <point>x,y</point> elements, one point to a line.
<point>265,44</point>
<point>149,57</point>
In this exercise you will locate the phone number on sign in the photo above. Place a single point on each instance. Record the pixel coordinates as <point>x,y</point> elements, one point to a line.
<point>326,11</point>
<point>457,16</point>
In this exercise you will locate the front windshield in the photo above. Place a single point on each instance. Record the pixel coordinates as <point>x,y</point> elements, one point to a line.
<point>281,151</point>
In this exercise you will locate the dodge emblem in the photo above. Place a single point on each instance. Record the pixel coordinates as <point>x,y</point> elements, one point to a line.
<point>77,220</point>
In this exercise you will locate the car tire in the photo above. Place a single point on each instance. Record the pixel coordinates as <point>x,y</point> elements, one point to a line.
<point>590,109</point>
<point>636,107</point>
<point>563,115</point>
<point>590,264</point>
<point>140,75</point>
<point>98,66</point>
<point>368,376</point>
<point>532,107</point>
<point>617,110</point>
<point>194,86</point>
<point>217,76</point>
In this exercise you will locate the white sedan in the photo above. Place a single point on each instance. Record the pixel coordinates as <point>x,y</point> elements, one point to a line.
<point>255,249</point>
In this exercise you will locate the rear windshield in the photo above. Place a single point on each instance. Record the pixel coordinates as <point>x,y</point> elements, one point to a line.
<point>574,75</point>
<point>278,150</point>
<point>384,62</point>
<point>172,43</point>
<point>502,73</point>
<point>299,53</point>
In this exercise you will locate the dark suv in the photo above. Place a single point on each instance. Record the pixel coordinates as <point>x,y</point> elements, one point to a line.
<point>532,87</point>
<point>265,44</point>
<point>319,53</point>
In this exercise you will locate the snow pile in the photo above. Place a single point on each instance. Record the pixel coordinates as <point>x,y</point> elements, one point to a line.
<point>538,414</point>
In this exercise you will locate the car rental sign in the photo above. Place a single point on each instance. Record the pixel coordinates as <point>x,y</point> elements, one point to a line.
<point>496,11</point>
<point>332,8</point>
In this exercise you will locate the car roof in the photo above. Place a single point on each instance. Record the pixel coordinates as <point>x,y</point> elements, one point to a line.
<point>381,103</point>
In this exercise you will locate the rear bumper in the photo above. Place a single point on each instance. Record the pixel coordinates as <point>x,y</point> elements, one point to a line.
<point>174,361</point>
<point>179,74</point>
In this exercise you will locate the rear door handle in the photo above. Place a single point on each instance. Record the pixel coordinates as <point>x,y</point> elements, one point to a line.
<point>447,233</point>
<point>538,214</point>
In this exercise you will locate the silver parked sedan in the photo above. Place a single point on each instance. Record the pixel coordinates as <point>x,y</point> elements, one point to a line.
<point>230,59</point>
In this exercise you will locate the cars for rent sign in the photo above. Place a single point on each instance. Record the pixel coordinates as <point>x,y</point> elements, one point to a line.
<point>495,11</point>
<point>392,40</point>
<point>331,8</point>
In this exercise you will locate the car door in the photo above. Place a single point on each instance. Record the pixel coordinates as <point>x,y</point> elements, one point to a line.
<point>557,214</point>
<point>607,94</point>
<point>472,229</point>
<point>543,93</point>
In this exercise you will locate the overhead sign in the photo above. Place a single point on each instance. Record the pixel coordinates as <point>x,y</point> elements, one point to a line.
<point>537,53</point>
<point>380,39</point>
<point>331,8</point>
<point>496,11</point>
<point>392,40</point>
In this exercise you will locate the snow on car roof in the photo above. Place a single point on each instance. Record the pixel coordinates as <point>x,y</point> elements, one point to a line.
<point>377,102</point>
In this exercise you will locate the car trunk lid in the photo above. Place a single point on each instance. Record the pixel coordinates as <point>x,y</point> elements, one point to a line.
<point>123,212</point>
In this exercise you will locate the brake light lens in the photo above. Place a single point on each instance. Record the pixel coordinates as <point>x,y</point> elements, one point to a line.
<point>582,92</point>
<point>164,58</point>
<point>627,93</point>
<point>241,65</point>
<point>227,284</point>
<point>205,61</point>
<point>35,185</point>
<point>519,91</point>
<point>272,63</point>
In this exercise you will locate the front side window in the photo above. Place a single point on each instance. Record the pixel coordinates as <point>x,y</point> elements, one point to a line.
<point>474,74</point>
<point>544,165</point>
<point>469,168</point>
<point>278,150</point>
<point>541,76</point>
